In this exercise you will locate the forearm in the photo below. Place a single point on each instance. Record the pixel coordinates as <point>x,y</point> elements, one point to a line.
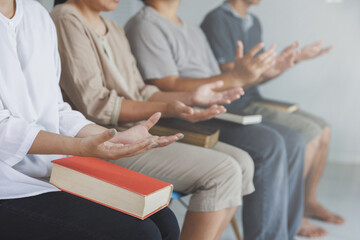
<point>175,83</point>
<point>51,143</point>
<point>90,130</point>
<point>133,111</point>
<point>167,97</point>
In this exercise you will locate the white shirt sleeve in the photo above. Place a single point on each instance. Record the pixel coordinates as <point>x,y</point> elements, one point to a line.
<point>16,137</point>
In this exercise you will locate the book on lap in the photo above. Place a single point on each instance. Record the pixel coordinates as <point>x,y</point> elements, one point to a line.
<point>279,105</point>
<point>111,185</point>
<point>238,117</point>
<point>194,133</point>
<point>242,119</point>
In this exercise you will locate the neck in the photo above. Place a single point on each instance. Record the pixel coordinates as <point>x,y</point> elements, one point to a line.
<point>91,15</point>
<point>7,8</point>
<point>167,9</point>
<point>240,6</point>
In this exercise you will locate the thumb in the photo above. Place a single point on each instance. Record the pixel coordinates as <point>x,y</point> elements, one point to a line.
<point>105,136</point>
<point>215,85</point>
<point>239,50</point>
<point>186,110</point>
<point>152,120</point>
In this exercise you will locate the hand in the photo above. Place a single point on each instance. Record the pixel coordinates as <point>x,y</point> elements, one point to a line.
<point>112,145</point>
<point>312,51</point>
<point>250,68</point>
<point>206,95</point>
<point>141,132</point>
<point>283,62</point>
<point>101,147</point>
<point>180,110</point>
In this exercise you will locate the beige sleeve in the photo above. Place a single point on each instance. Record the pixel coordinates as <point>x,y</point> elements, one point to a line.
<point>81,76</point>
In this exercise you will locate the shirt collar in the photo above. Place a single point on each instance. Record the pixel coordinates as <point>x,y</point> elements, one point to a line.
<point>247,21</point>
<point>15,20</point>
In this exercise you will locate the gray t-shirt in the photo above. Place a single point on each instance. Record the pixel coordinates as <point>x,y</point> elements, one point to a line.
<point>163,48</point>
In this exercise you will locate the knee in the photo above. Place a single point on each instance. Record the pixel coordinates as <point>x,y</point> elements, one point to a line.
<point>273,149</point>
<point>295,141</point>
<point>148,230</point>
<point>326,135</point>
<point>228,176</point>
<point>167,223</point>
<point>248,167</point>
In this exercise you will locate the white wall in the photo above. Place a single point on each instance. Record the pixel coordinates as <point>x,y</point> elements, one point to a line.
<point>329,86</point>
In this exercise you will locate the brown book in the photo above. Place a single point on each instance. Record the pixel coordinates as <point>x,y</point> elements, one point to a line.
<point>279,105</point>
<point>113,186</point>
<point>194,133</point>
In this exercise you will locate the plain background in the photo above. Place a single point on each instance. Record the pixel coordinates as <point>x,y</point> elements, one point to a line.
<point>328,86</point>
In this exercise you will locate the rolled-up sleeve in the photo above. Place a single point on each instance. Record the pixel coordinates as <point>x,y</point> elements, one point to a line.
<point>81,76</point>
<point>16,137</point>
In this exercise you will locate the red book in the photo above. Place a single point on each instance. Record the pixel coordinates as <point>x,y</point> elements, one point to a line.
<point>111,185</point>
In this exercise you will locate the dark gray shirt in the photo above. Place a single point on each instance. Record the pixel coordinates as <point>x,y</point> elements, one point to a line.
<point>223,27</point>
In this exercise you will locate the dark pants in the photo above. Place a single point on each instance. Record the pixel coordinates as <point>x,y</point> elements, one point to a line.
<point>59,215</point>
<point>274,211</point>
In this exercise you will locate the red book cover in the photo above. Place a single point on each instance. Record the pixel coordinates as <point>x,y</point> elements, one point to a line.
<point>113,174</point>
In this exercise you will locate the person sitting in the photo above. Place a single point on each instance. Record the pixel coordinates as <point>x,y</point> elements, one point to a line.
<point>100,78</point>
<point>175,56</point>
<point>36,127</point>
<point>224,27</point>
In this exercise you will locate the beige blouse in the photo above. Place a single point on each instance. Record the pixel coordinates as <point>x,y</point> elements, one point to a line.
<point>97,72</point>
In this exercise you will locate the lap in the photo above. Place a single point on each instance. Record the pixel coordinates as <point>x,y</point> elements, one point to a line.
<point>306,124</point>
<point>59,215</point>
<point>185,166</point>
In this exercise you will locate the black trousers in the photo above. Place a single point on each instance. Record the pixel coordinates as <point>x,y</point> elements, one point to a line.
<point>59,215</point>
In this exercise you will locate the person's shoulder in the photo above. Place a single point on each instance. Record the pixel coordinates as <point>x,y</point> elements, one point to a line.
<point>35,13</point>
<point>114,25</point>
<point>215,16</point>
<point>33,5</point>
<point>142,21</point>
<point>65,12</point>
<point>255,19</point>
<point>34,8</point>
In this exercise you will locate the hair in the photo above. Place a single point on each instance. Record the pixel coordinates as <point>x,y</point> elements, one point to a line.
<point>56,2</point>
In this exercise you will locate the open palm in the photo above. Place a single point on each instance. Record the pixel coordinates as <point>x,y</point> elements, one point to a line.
<point>141,132</point>
<point>206,95</point>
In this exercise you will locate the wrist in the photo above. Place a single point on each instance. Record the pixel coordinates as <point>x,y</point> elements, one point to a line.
<point>74,147</point>
<point>236,79</point>
<point>167,111</point>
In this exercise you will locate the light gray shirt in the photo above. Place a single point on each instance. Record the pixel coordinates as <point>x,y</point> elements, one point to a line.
<point>163,48</point>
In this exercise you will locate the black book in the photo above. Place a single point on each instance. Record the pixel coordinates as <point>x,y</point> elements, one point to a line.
<point>194,133</point>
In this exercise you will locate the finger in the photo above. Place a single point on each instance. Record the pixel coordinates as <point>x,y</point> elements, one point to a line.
<point>118,151</point>
<point>186,110</point>
<point>165,141</point>
<point>239,50</point>
<point>319,43</point>
<point>290,48</point>
<point>326,50</point>
<point>296,44</point>
<point>255,50</point>
<point>215,85</point>
<point>228,96</point>
<point>152,120</point>
<point>105,136</point>
<point>267,56</point>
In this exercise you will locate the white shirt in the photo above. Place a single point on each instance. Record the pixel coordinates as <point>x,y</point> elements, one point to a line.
<point>30,99</point>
